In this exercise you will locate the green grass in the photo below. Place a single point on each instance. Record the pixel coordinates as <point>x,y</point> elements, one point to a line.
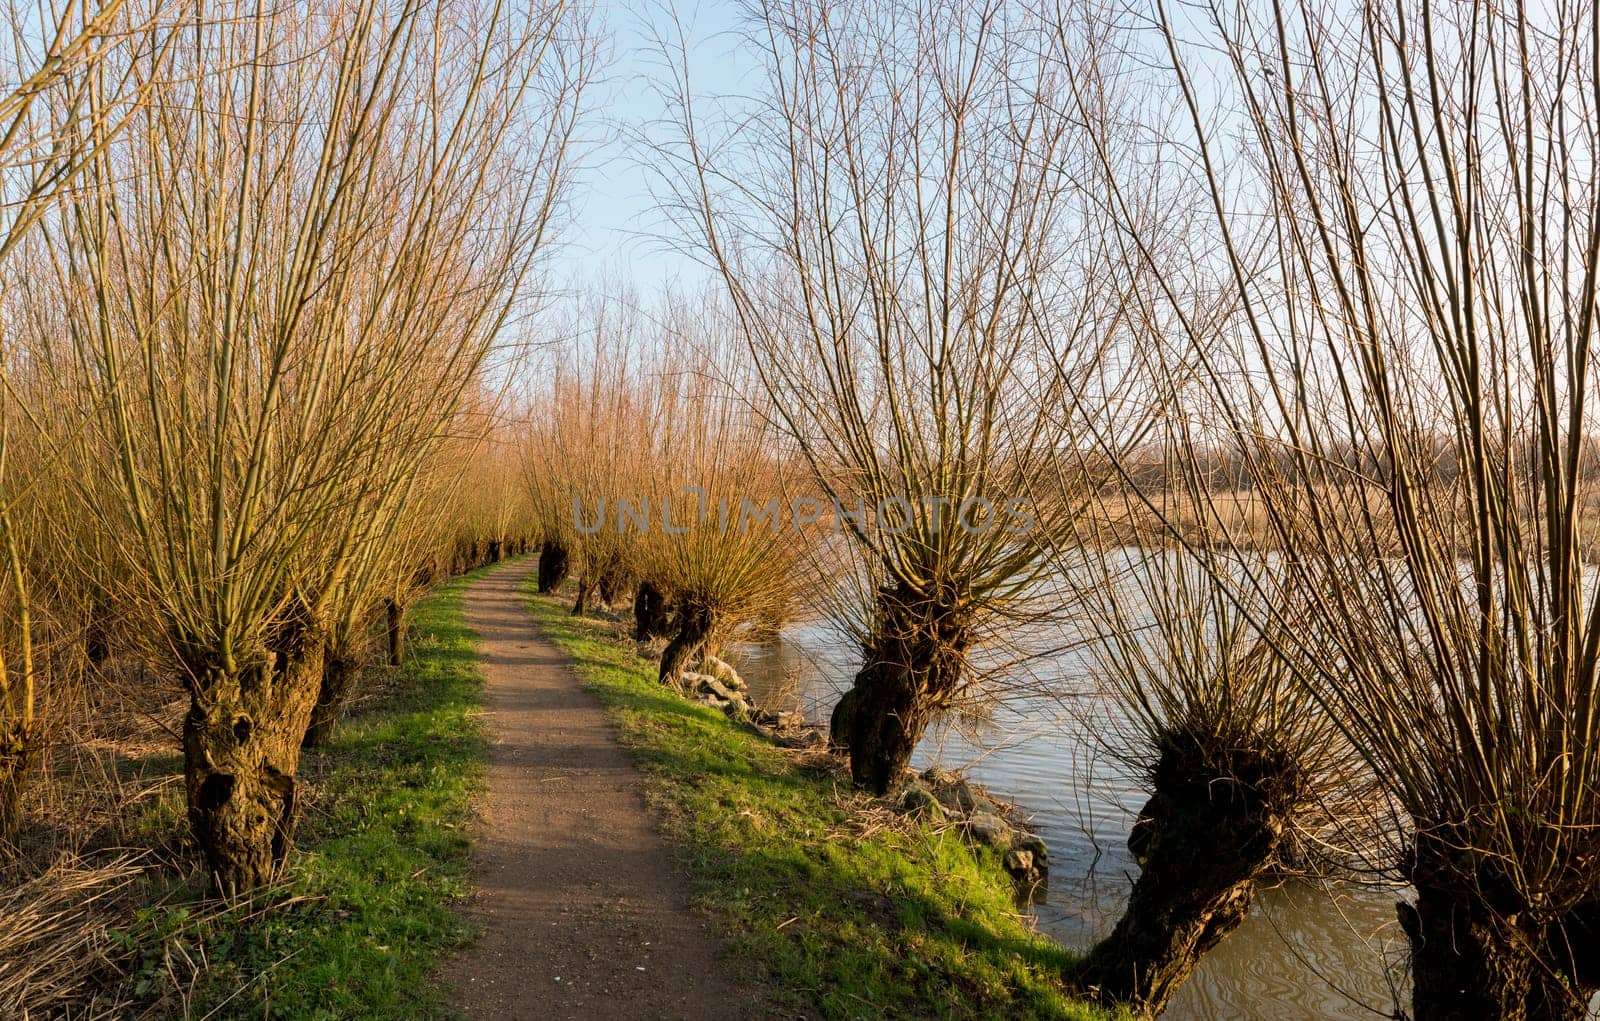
<point>835,917</point>
<point>383,850</point>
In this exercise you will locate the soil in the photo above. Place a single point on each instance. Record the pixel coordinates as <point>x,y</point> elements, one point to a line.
<point>581,909</point>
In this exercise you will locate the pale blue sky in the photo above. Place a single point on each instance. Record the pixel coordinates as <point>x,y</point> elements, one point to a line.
<point>616,229</point>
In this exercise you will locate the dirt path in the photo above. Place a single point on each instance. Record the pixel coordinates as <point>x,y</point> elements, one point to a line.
<point>583,913</point>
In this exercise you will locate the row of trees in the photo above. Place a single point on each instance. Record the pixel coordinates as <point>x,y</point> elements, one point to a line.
<point>252,297</point>
<point>254,267</point>
<point>656,477</point>
<point>977,252</point>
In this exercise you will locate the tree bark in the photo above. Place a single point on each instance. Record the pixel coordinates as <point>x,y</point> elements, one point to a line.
<point>339,675</point>
<point>914,660</point>
<point>652,613</point>
<point>96,647</point>
<point>840,722</point>
<point>495,551</point>
<point>97,628</point>
<point>615,587</point>
<point>580,603</point>
<point>554,565</point>
<point>395,630</point>
<point>696,623</point>
<point>887,716</point>
<point>241,744</point>
<point>1477,951</point>
<point>1212,827</point>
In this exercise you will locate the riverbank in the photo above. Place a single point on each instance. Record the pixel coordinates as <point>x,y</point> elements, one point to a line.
<point>839,906</point>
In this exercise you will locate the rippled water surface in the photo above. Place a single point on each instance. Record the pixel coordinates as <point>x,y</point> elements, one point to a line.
<point>1307,951</point>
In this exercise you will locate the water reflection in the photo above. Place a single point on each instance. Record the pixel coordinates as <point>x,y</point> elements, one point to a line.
<point>1307,951</point>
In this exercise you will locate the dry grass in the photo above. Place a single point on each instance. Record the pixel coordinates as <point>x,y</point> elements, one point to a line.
<point>58,927</point>
<point>110,751</point>
<point>98,853</point>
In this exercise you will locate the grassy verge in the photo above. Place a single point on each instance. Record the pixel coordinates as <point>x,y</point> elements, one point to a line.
<point>836,908</point>
<point>382,849</point>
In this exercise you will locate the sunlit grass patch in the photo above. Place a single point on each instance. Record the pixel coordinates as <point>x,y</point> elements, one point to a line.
<point>383,849</point>
<point>836,914</point>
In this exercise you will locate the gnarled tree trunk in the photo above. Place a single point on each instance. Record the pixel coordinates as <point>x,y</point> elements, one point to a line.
<point>1477,951</point>
<point>841,721</point>
<point>1212,827</point>
<point>241,749</point>
<point>914,661</point>
<point>554,565</point>
<point>885,716</point>
<point>96,640</point>
<point>96,647</point>
<point>652,613</point>
<point>339,674</point>
<point>615,587</point>
<point>394,628</point>
<point>580,603</point>
<point>696,623</point>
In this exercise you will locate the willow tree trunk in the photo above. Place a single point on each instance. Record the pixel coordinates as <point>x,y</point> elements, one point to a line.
<point>496,551</point>
<point>17,749</point>
<point>554,565</point>
<point>652,613</point>
<point>1213,825</point>
<point>1575,951</point>
<point>580,603</point>
<point>913,661</point>
<point>241,750</point>
<point>1477,952</point>
<point>881,719</point>
<point>394,628</point>
<point>97,630</point>
<point>615,587</point>
<point>696,623</point>
<point>339,674</point>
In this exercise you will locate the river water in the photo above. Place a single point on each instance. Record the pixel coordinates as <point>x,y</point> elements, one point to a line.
<point>1307,951</point>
